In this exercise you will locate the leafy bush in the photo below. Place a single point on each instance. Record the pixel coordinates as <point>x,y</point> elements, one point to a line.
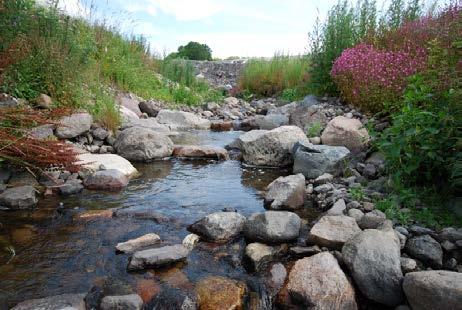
<point>271,77</point>
<point>370,78</point>
<point>192,51</point>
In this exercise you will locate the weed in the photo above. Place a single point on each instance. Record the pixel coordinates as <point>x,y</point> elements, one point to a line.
<point>314,129</point>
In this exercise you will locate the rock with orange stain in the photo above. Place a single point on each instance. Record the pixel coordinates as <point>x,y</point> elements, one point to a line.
<point>147,289</point>
<point>175,278</point>
<point>219,293</point>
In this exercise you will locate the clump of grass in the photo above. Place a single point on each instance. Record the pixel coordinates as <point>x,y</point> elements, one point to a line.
<point>314,130</point>
<point>271,77</point>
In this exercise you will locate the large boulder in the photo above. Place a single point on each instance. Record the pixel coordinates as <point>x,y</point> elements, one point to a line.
<point>179,120</point>
<point>436,289</point>
<point>20,197</point>
<point>158,257</point>
<point>272,227</point>
<point>270,148</point>
<point>373,258</point>
<point>106,180</point>
<point>73,125</point>
<point>348,132</point>
<point>65,301</point>
<point>220,293</point>
<point>142,144</point>
<point>318,282</point>
<point>126,302</point>
<point>91,163</point>
<point>134,245</point>
<point>315,160</point>
<point>200,151</point>
<point>425,249</point>
<point>286,193</point>
<point>219,226</point>
<point>271,121</point>
<point>333,231</point>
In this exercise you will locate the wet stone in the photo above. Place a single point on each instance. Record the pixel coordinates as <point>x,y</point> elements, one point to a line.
<point>133,245</point>
<point>158,257</point>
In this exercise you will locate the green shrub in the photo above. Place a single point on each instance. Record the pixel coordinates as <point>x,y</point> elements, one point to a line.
<point>290,94</point>
<point>314,130</point>
<point>271,77</point>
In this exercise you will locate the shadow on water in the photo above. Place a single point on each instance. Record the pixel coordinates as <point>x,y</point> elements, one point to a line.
<point>59,252</point>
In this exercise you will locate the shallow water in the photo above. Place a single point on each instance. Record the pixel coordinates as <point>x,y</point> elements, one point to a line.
<point>57,252</point>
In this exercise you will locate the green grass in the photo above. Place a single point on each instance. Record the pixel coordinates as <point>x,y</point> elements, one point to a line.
<point>280,75</point>
<point>76,62</point>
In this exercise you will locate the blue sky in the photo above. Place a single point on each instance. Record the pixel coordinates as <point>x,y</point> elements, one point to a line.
<point>231,28</point>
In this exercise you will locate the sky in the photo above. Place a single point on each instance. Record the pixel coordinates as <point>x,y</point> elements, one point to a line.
<point>246,28</point>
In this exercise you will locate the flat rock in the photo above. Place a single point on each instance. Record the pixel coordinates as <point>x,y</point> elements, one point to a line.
<point>106,180</point>
<point>134,245</point>
<point>373,258</point>
<point>159,257</point>
<point>125,302</point>
<point>179,120</point>
<point>436,289</point>
<point>74,125</point>
<point>220,293</point>
<point>20,197</point>
<point>426,249</point>
<point>219,226</point>
<point>272,227</point>
<point>94,162</point>
<point>142,144</point>
<point>348,132</point>
<point>316,160</point>
<point>333,231</point>
<point>318,282</point>
<point>270,147</point>
<point>286,193</point>
<point>59,302</point>
<point>200,151</point>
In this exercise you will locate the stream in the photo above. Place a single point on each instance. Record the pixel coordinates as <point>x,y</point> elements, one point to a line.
<point>58,250</point>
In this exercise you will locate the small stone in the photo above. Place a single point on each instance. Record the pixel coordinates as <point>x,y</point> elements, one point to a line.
<point>372,220</point>
<point>418,230</point>
<point>158,257</point>
<point>259,254</point>
<point>133,245</point>
<point>44,101</point>
<point>190,241</point>
<point>323,179</point>
<point>368,206</point>
<point>333,231</point>
<point>126,302</point>
<point>63,302</point>
<point>450,264</point>
<point>402,230</point>
<point>21,197</point>
<point>426,249</point>
<point>303,251</point>
<point>106,180</point>
<point>71,187</point>
<point>448,246</point>
<point>338,208</point>
<point>219,226</point>
<point>220,293</point>
<point>408,264</point>
<point>356,214</point>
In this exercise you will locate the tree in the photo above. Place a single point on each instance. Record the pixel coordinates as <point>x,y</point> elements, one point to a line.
<point>193,51</point>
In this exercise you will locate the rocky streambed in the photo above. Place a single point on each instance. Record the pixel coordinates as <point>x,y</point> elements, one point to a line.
<point>270,222</point>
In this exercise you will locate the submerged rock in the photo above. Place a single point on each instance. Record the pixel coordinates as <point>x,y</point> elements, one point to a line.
<point>59,302</point>
<point>158,257</point>
<point>126,302</point>
<point>333,231</point>
<point>272,227</point>
<point>199,151</point>
<point>436,289</point>
<point>74,125</point>
<point>373,257</point>
<point>220,293</point>
<point>219,226</point>
<point>270,148</point>
<point>133,245</point>
<point>286,193</point>
<point>142,144</point>
<point>20,197</point>
<point>315,160</point>
<point>318,282</point>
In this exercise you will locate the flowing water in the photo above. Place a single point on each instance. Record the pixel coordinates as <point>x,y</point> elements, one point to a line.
<point>58,251</point>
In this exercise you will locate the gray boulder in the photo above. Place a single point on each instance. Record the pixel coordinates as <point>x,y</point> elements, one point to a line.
<point>318,282</point>
<point>179,120</point>
<point>286,193</point>
<point>142,144</point>
<point>125,302</point>
<point>436,289</point>
<point>315,160</point>
<point>74,125</point>
<point>333,231</point>
<point>426,249</point>
<point>59,302</point>
<point>373,258</point>
<point>271,121</point>
<point>106,180</point>
<point>270,148</point>
<point>219,226</point>
<point>21,197</point>
<point>372,220</point>
<point>272,227</point>
<point>158,257</point>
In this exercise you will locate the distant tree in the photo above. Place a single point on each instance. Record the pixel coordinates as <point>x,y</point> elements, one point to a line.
<point>193,51</point>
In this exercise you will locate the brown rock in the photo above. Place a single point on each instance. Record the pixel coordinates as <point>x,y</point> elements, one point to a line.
<point>147,289</point>
<point>44,101</point>
<point>219,293</point>
<point>197,151</point>
<point>221,126</point>
<point>342,131</point>
<point>319,283</point>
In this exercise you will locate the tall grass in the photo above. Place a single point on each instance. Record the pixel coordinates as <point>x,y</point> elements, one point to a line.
<point>271,77</point>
